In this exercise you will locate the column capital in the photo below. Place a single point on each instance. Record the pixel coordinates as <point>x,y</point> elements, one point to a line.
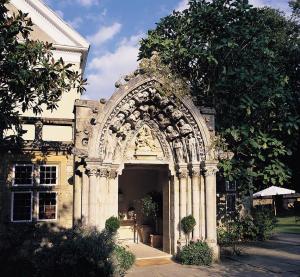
<point>182,170</point>
<point>104,172</point>
<point>195,169</point>
<point>210,168</point>
<point>113,173</point>
<point>92,170</point>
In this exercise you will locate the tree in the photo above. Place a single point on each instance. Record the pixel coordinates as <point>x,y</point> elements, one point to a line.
<point>30,78</point>
<point>244,62</point>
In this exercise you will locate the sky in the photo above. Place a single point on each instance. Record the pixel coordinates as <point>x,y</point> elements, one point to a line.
<point>114,29</point>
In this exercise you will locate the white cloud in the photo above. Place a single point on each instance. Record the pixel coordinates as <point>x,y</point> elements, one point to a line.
<point>182,5</point>
<point>276,4</point>
<point>87,3</point>
<point>106,69</point>
<point>257,3</point>
<point>76,22</point>
<point>104,33</point>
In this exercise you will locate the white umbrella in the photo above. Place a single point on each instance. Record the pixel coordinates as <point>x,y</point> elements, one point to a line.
<point>272,191</point>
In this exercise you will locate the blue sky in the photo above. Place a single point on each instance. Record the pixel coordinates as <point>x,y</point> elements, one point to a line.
<point>114,28</point>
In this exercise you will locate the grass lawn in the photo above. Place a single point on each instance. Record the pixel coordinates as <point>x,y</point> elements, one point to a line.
<point>287,224</point>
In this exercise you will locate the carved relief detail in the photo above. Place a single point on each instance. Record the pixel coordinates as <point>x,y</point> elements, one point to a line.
<point>147,105</point>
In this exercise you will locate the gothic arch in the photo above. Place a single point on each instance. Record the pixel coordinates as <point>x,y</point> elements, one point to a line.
<point>176,123</point>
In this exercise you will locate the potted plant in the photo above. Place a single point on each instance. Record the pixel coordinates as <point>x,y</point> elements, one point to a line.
<point>187,224</point>
<point>151,206</point>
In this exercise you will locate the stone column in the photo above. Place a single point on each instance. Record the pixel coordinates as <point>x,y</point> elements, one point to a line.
<point>77,196</point>
<point>195,173</point>
<point>85,200</point>
<point>93,171</point>
<point>202,209</point>
<point>189,201</point>
<point>102,194</point>
<point>182,175</point>
<point>113,193</point>
<point>210,170</point>
<point>174,213</point>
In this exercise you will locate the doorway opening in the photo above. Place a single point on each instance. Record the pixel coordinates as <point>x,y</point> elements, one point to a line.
<point>142,187</point>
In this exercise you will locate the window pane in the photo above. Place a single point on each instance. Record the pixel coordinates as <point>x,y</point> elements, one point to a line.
<point>21,206</point>
<point>23,175</point>
<point>47,205</point>
<point>48,175</point>
<point>230,202</point>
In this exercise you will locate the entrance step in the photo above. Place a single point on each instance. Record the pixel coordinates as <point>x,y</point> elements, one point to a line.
<point>147,255</point>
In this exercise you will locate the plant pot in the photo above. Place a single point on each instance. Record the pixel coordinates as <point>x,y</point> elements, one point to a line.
<point>144,232</point>
<point>156,241</point>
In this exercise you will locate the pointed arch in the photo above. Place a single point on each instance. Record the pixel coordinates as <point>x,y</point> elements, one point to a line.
<point>171,118</point>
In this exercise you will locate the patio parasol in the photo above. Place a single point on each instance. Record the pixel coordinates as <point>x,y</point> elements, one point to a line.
<point>272,191</point>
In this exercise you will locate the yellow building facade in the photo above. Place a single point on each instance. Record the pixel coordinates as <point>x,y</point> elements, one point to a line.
<point>37,185</point>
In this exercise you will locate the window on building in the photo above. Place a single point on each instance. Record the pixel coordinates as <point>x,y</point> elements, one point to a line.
<point>48,175</point>
<point>230,185</point>
<point>230,202</point>
<point>23,175</point>
<point>47,205</point>
<point>21,206</point>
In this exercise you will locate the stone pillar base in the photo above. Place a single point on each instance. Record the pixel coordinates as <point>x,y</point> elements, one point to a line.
<point>215,250</point>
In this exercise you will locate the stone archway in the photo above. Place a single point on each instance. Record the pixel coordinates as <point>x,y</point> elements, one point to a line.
<point>139,124</point>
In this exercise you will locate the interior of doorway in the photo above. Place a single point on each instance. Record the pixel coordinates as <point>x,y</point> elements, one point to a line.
<point>136,183</point>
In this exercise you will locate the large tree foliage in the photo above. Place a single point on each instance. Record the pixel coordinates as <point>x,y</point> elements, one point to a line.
<point>244,62</point>
<point>30,79</point>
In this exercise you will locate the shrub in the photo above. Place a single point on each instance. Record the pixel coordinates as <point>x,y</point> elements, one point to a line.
<point>265,221</point>
<point>43,251</point>
<point>198,253</point>
<point>77,253</point>
<point>188,223</point>
<point>112,224</point>
<point>124,259</point>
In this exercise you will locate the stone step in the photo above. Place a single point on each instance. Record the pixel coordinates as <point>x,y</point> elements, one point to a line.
<point>150,261</point>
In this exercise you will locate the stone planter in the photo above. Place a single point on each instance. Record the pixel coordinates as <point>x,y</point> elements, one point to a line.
<point>144,233</point>
<point>156,241</point>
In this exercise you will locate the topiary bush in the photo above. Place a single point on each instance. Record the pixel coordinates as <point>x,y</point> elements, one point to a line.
<point>112,224</point>
<point>198,253</point>
<point>124,260</point>
<point>187,224</point>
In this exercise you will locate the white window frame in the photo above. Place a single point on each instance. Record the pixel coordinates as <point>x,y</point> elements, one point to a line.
<point>14,175</point>
<point>39,175</point>
<point>230,193</point>
<point>38,206</point>
<point>12,206</point>
<point>227,183</point>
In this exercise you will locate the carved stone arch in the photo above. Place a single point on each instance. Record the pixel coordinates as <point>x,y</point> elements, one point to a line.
<point>136,91</point>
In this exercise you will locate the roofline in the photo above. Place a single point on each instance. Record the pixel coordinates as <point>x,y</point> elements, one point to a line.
<point>47,13</point>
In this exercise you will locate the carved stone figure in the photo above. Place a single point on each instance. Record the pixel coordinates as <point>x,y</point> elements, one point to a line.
<point>124,130</point>
<point>110,144</point>
<point>128,107</point>
<point>172,133</point>
<point>178,149</point>
<point>145,141</point>
<point>175,114</point>
<point>134,117</point>
<point>118,149</point>
<point>163,121</point>
<point>139,98</point>
<point>118,122</point>
<point>184,128</point>
<point>192,148</point>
